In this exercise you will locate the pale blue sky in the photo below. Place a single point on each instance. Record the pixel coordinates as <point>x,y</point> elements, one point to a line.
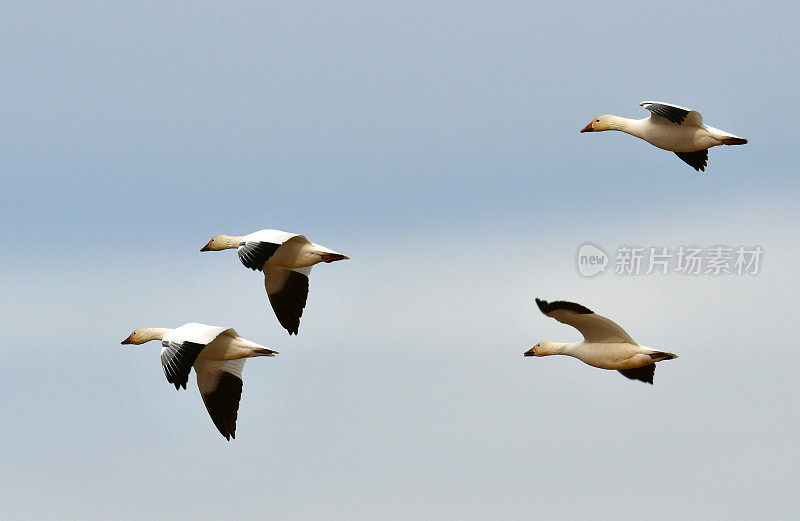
<point>438,147</point>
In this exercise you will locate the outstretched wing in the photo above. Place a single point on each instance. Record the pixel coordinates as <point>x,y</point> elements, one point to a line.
<point>256,248</point>
<point>254,254</point>
<point>180,347</point>
<point>177,359</point>
<point>220,384</point>
<point>287,290</point>
<point>593,327</point>
<point>674,113</point>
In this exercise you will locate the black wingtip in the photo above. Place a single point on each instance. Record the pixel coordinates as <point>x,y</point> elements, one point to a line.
<point>697,160</point>
<point>643,374</point>
<point>255,254</point>
<point>288,303</point>
<point>223,404</point>
<point>548,307</point>
<point>672,113</point>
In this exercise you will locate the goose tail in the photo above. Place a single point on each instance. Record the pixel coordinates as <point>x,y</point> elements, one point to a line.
<point>734,141</point>
<point>658,356</point>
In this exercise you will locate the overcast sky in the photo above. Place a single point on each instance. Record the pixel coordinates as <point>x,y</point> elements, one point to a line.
<point>437,145</point>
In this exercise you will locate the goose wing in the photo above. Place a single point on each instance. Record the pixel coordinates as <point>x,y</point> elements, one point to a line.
<point>674,113</point>
<point>256,248</point>
<point>697,160</point>
<point>593,327</point>
<point>180,347</point>
<point>287,290</point>
<point>220,384</point>
<point>644,373</point>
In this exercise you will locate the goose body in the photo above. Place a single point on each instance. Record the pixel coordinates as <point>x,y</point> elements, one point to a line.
<point>605,344</point>
<point>670,127</point>
<point>217,355</point>
<point>286,260</point>
<point>610,355</point>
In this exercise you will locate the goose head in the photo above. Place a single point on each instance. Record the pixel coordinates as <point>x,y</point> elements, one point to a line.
<point>544,349</point>
<point>140,336</point>
<point>599,124</point>
<point>221,242</point>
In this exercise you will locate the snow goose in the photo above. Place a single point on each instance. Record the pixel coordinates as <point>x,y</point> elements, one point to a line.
<point>217,354</point>
<point>286,260</point>
<point>672,128</point>
<point>605,344</point>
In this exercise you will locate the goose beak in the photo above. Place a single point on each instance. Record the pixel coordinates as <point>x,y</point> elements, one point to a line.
<point>587,128</point>
<point>532,351</point>
<point>207,247</point>
<point>127,340</point>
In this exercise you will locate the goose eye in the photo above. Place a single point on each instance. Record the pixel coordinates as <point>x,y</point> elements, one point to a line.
<point>597,120</point>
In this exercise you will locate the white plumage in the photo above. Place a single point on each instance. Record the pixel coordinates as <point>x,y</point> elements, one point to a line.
<point>670,127</point>
<point>606,345</point>
<point>217,355</point>
<point>286,260</point>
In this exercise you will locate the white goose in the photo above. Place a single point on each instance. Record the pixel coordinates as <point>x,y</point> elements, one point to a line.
<point>217,355</point>
<point>605,344</point>
<point>286,260</point>
<point>672,128</point>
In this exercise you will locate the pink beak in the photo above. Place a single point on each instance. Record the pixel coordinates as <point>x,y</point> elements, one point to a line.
<point>588,128</point>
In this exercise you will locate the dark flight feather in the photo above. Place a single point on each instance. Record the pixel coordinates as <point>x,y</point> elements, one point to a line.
<point>255,254</point>
<point>645,373</point>
<point>696,160</point>
<point>548,307</point>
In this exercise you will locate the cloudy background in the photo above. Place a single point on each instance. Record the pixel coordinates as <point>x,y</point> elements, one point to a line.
<point>437,146</point>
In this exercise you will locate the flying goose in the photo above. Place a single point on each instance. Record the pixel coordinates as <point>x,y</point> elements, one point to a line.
<point>286,260</point>
<point>672,128</point>
<point>605,344</point>
<point>217,355</point>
